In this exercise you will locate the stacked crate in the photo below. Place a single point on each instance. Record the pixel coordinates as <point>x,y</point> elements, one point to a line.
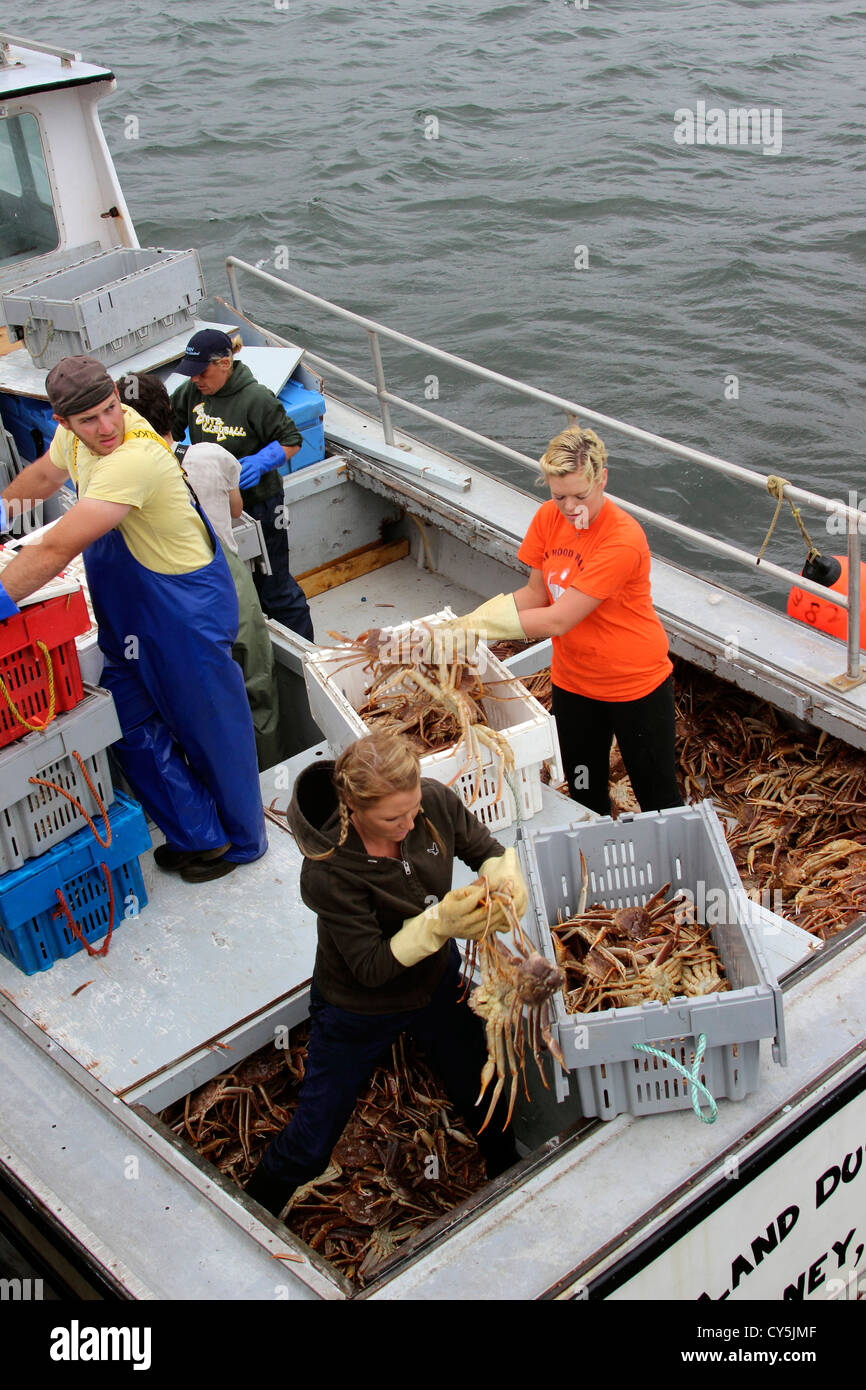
<point>69,844</point>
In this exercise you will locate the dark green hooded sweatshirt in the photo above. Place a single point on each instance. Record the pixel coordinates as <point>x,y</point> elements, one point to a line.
<point>243,416</point>
<point>361,900</point>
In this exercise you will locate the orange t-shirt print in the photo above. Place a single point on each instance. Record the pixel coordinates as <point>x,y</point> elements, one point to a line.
<point>620,650</point>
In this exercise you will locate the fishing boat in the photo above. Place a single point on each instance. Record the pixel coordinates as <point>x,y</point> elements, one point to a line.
<point>768,1202</point>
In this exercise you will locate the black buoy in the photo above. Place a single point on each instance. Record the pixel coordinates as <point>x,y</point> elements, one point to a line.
<point>822,569</point>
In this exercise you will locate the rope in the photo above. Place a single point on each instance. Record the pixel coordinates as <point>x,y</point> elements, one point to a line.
<point>36,728</point>
<point>48,332</point>
<point>776,487</point>
<point>692,1076</point>
<point>42,782</point>
<point>76,931</point>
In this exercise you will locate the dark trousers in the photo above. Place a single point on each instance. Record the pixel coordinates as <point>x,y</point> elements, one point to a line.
<point>344,1050</point>
<point>644,730</point>
<point>280,595</point>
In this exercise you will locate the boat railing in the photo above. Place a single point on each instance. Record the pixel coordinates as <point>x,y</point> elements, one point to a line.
<point>852,518</point>
<point>67,56</point>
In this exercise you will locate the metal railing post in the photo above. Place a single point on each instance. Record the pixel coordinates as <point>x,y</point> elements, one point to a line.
<point>854,599</point>
<point>235,293</point>
<point>384,408</point>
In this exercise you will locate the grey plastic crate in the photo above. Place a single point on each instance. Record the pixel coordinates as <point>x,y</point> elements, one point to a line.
<point>249,538</point>
<point>32,818</point>
<point>109,306</point>
<point>627,861</point>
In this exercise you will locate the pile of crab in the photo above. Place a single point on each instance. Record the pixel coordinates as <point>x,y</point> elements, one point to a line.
<point>793,798</point>
<point>403,1160</point>
<point>615,958</point>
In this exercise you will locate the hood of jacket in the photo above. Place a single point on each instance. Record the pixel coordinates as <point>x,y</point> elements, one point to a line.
<point>313,814</point>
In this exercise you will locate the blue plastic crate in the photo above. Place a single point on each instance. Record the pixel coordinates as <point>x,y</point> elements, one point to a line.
<point>34,932</point>
<point>307,409</point>
<point>30,422</point>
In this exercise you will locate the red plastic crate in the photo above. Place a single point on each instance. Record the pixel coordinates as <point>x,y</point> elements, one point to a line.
<point>24,669</point>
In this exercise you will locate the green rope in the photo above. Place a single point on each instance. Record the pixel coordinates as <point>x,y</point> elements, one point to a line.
<point>692,1076</point>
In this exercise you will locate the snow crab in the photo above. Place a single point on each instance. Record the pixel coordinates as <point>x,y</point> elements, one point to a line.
<point>512,981</point>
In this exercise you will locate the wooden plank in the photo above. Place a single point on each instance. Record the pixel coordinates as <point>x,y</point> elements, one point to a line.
<point>361,561</point>
<point>338,559</point>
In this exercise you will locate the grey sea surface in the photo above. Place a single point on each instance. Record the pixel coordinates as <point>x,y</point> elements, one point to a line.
<point>512,182</point>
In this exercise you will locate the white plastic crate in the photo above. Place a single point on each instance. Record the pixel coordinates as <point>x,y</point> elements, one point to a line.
<point>337,687</point>
<point>627,861</point>
<point>33,817</point>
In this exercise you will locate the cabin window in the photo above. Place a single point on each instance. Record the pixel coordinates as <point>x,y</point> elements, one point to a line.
<point>27,223</point>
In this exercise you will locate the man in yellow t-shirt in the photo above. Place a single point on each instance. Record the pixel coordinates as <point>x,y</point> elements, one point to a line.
<point>167,614</point>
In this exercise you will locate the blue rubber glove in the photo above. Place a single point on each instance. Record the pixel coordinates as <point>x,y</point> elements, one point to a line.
<point>254,466</point>
<point>8,607</point>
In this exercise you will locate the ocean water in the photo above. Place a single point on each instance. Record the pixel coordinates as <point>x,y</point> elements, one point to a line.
<point>511,182</point>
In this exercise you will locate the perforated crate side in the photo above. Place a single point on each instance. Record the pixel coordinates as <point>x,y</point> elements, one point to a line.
<point>33,817</point>
<point>37,943</point>
<point>645,1085</point>
<point>26,678</point>
<point>31,926</point>
<point>45,817</point>
<point>55,623</point>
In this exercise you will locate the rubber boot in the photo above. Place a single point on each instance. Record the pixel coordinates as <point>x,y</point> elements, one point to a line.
<point>270,1193</point>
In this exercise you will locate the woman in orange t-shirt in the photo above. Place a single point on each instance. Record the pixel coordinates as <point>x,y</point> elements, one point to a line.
<point>589,590</point>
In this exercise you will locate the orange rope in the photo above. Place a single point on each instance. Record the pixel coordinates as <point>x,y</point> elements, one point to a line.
<point>42,782</point>
<point>8,698</point>
<point>76,931</point>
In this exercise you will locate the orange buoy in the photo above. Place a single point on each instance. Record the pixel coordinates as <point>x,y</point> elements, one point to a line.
<point>808,608</point>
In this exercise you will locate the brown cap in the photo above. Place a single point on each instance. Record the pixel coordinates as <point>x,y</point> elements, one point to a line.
<point>76,384</point>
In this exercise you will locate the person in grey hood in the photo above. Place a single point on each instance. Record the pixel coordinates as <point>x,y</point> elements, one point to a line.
<point>222,403</point>
<point>379,844</point>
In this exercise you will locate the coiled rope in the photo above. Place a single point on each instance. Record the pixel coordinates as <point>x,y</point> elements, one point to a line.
<point>697,1086</point>
<point>34,728</point>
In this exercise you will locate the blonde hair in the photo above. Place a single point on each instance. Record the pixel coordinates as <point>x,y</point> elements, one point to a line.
<point>573,451</point>
<point>237,343</point>
<point>368,770</point>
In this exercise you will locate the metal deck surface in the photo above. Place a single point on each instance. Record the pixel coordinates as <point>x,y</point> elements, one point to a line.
<point>199,958</point>
<point>385,597</point>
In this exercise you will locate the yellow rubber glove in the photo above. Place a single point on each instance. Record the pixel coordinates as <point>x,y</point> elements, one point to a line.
<point>505,870</point>
<point>495,620</point>
<point>458,914</point>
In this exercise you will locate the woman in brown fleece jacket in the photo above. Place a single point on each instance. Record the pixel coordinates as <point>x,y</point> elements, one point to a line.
<point>379,844</point>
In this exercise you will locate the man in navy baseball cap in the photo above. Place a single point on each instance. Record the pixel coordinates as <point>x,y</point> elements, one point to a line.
<point>202,348</point>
